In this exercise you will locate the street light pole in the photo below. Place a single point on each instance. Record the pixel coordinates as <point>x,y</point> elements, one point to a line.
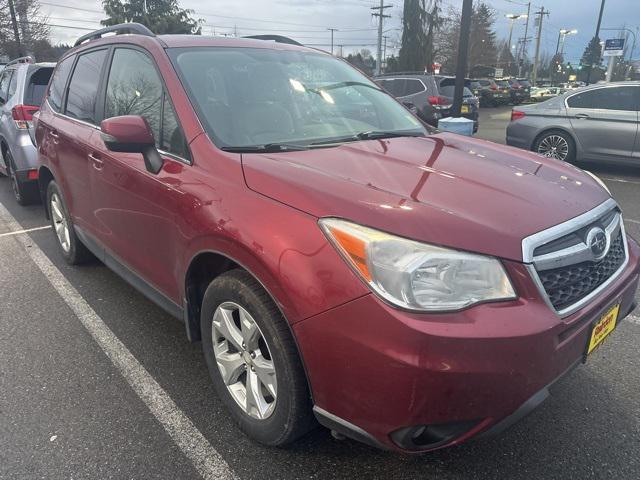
<point>512,17</point>
<point>589,67</point>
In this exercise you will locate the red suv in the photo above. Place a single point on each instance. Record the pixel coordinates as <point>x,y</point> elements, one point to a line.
<point>340,262</point>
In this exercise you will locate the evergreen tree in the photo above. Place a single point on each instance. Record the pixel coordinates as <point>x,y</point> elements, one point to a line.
<point>420,20</point>
<point>482,38</point>
<point>161,16</point>
<point>592,53</point>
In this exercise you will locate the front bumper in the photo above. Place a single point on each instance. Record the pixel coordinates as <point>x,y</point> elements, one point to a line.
<point>384,371</point>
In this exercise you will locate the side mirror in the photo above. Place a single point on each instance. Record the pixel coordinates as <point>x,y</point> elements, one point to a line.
<point>132,134</point>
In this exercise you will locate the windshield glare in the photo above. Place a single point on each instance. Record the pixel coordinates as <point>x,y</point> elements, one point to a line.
<point>255,96</point>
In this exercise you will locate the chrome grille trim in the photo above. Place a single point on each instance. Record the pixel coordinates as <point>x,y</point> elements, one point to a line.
<point>574,254</point>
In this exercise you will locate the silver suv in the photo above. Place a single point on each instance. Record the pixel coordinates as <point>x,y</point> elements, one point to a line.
<point>22,86</point>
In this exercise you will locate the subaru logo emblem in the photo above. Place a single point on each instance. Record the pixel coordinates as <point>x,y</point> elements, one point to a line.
<point>598,242</point>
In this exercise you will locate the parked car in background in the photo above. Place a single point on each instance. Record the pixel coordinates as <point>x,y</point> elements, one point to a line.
<point>540,94</point>
<point>22,86</point>
<point>592,124</point>
<point>431,95</point>
<point>340,262</point>
<point>470,102</point>
<point>519,90</point>
<point>491,94</point>
<point>418,92</point>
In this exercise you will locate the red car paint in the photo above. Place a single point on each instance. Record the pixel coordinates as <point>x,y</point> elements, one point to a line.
<point>374,366</point>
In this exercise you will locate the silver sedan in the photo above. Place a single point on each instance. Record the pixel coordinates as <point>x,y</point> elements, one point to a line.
<point>592,124</point>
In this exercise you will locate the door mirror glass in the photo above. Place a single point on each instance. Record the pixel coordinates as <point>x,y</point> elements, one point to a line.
<point>132,134</point>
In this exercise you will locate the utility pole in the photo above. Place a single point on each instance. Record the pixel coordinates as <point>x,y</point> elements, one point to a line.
<point>332,30</point>
<point>534,74</point>
<point>381,16</point>
<point>463,50</point>
<point>14,22</point>
<point>384,53</point>
<point>524,41</point>
<point>589,67</point>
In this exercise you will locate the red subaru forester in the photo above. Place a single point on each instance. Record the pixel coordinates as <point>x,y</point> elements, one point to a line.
<point>341,262</point>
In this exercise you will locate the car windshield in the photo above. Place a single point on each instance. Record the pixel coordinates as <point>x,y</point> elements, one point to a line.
<point>250,97</point>
<point>502,83</point>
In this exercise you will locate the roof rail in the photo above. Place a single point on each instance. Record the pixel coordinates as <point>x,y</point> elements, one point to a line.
<point>275,38</point>
<point>27,59</point>
<point>118,29</point>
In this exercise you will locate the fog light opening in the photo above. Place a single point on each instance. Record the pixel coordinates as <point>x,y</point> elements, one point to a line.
<point>426,437</point>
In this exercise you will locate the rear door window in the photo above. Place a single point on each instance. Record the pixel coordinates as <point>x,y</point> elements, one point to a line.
<point>37,86</point>
<point>83,87</point>
<point>609,98</point>
<point>56,90</point>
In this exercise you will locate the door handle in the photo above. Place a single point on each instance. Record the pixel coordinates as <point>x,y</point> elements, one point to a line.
<point>95,161</point>
<point>582,115</point>
<point>54,136</point>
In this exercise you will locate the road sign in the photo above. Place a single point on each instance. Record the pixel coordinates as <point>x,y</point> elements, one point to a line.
<point>499,72</point>
<point>613,47</point>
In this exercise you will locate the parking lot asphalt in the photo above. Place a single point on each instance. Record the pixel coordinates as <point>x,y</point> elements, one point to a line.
<point>98,382</point>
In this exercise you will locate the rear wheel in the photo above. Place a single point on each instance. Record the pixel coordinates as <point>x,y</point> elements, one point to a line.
<point>253,360</point>
<point>556,144</point>
<point>72,249</point>
<point>24,193</point>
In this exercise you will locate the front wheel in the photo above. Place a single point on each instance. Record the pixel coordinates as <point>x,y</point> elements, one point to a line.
<point>253,361</point>
<point>72,249</point>
<point>556,144</point>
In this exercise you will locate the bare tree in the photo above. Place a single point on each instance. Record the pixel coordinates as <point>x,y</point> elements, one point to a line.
<point>32,27</point>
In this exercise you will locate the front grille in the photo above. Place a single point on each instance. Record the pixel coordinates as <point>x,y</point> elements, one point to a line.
<point>568,285</point>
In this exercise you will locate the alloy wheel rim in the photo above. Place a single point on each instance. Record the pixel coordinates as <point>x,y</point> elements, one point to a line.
<point>554,146</point>
<point>60,223</point>
<point>244,360</point>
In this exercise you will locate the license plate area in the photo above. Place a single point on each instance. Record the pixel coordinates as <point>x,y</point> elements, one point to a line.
<point>602,328</point>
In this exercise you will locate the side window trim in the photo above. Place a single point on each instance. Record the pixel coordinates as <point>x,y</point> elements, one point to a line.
<point>103,97</point>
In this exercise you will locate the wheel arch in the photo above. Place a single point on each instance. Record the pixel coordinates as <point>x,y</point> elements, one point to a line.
<point>203,268</point>
<point>556,128</point>
<point>45,177</point>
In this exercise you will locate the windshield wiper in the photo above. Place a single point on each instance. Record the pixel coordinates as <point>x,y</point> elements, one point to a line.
<point>376,134</point>
<point>369,135</point>
<point>266,148</point>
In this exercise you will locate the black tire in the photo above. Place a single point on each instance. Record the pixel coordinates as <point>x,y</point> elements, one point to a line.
<point>76,253</point>
<point>24,193</point>
<point>571,146</point>
<point>292,415</point>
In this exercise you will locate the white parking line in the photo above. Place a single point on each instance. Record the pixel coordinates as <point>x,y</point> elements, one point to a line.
<point>621,180</point>
<point>631,220</point>
<point>634,319</point>
<point>28,230</point>
<point>186,436</point>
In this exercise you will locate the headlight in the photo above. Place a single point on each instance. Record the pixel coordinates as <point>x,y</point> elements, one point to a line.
<point>418,276</point>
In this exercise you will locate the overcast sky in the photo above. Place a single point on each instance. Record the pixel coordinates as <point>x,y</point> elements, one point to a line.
<point>308,20</point>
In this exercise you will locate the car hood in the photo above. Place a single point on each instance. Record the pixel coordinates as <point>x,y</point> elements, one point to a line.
<point>443,189</point>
